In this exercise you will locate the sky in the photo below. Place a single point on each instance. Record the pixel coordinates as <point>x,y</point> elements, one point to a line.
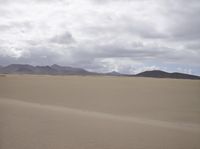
<point>128,36</point>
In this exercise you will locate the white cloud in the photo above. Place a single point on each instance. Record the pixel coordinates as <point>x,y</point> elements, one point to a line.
<point>105,35</point>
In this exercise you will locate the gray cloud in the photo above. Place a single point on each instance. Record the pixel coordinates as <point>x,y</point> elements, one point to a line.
<point>193,46</point>
<point>183,16</point>
<point>65,38</point>
<point>102,35</point>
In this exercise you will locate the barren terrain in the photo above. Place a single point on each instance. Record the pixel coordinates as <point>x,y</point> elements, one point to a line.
<point>93,112</point>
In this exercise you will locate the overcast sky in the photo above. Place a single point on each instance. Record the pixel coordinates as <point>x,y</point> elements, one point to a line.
<point>128,36</point>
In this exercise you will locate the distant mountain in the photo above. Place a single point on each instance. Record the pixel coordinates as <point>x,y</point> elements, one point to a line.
<point>67,70</point>
<point>52,70</point>
<point>114,73</point>
<point>163,74</point>
<point>18,68</point>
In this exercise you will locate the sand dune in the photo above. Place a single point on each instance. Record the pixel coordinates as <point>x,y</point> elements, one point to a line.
<point>104,116</point>
<point>29,125</point>
<point>48,112</point>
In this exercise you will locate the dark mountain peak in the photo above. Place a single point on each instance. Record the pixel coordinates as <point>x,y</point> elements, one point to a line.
<point>18,65</point>
<point>45,67</point>
<point>156,71</point>
<point>20,68</point>
<point>153,73</point>
<point>58,67</point>
<point>163,74</point>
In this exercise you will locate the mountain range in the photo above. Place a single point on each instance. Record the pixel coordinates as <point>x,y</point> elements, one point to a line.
<point>67,70</point>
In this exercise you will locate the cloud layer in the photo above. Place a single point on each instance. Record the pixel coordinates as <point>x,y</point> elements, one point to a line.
<point>128,36</point>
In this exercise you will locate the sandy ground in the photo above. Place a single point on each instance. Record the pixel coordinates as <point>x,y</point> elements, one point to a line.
<point>73,112</point>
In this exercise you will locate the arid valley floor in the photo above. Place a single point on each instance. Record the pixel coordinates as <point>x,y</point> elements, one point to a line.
<point>96,112</point>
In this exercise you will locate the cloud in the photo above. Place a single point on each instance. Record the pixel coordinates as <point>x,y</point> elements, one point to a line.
<point>193,46</point>
<point>183,19</point>
<point>65,38</point>
<point>102,35</point>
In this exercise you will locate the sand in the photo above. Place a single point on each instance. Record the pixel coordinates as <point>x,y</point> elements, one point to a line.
<point>77,112</point>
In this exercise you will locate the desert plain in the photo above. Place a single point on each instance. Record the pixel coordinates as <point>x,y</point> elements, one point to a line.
<point>98,112</point>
